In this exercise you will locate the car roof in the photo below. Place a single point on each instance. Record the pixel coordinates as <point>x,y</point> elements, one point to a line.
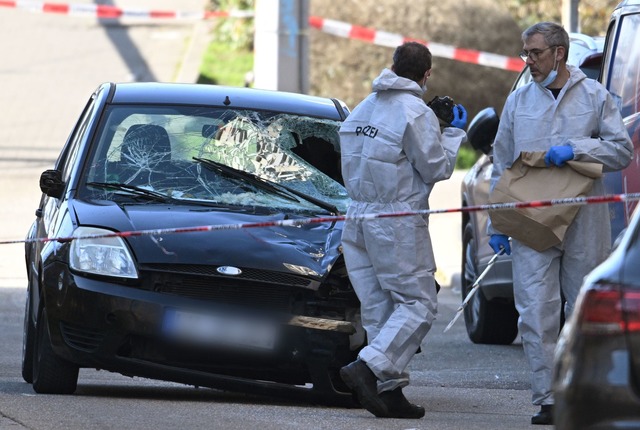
<point>583,48</point>
<point>226,97</point>
<point>628,3</point>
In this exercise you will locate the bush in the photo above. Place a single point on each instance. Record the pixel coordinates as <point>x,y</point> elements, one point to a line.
<point>466,157</point>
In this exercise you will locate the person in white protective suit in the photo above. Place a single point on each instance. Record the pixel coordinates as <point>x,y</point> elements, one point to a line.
<point>570,117</point>
<point>393,152</point>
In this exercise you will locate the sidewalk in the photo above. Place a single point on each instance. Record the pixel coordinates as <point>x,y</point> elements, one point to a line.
<point>52,64</point>
<point>446,230</point>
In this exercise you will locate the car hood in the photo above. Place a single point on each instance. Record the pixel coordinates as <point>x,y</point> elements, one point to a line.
<point>309,247</point>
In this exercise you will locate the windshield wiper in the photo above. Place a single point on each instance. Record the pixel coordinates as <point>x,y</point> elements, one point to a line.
<point>246,176</point>
<point>320,203</point>
<point>132,189</point>
<point>265,184</point>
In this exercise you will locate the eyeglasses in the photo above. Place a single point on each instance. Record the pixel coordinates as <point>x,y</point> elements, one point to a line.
<point>534,54</point>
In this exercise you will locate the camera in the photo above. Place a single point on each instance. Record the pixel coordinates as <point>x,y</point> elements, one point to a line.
<point>443,108</point>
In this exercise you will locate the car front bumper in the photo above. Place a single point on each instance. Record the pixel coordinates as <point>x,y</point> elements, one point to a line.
<point>119,328</point>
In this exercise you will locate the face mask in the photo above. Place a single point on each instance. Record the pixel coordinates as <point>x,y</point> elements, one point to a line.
<point>553,74</point>
<point>424,87</point>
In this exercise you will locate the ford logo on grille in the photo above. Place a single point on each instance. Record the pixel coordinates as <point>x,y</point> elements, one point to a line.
<point>229,270</point>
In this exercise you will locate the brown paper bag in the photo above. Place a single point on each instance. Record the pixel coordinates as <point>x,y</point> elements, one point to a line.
<point>529,179</point>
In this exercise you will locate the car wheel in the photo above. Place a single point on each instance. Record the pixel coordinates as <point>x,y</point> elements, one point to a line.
<point>51,374</point>
<point>28,339</point>
<point>487,321</point>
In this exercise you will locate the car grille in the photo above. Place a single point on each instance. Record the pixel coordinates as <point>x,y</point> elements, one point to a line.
<point>263,289</point>
<point>247,274</point>
<point>80,337</point>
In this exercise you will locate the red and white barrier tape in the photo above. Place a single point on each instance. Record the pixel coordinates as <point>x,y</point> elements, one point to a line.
<point>114,12</point>
<point>570,201</point>
<point>383,38</point>
<point>336,28</point>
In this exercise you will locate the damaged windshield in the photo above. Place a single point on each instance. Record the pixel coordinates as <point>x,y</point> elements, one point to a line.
<point>202,155</point>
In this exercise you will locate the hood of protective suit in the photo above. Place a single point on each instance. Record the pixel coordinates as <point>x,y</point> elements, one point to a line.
<point>388,80</point>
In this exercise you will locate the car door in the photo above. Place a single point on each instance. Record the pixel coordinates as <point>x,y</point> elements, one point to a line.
<point>621,76</point>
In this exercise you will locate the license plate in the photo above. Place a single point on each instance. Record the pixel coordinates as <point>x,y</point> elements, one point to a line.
<point>219,329</point>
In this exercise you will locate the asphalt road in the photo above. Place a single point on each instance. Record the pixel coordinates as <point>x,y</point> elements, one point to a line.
<point>461,386</point>
<point>50,65</point>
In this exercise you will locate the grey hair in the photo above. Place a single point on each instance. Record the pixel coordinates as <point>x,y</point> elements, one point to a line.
<point>554,34</point>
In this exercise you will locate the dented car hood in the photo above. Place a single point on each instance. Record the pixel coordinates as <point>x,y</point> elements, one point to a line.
<point>311,248</point>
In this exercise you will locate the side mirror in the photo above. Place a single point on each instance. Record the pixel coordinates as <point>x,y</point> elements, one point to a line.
<point>483,129</point>
<point>51,183</point>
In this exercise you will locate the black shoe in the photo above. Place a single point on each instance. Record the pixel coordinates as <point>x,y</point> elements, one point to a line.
<point>544,417</point>
<point>398,405</point>
<point>364,384</point>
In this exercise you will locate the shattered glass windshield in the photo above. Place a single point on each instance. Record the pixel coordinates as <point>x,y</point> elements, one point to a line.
<point>213,156</point>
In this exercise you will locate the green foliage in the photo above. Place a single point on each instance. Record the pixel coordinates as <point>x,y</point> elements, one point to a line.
<point>229,57</point>
<point>466,157</point>
<point>236,33</point>
<point>225,65</point>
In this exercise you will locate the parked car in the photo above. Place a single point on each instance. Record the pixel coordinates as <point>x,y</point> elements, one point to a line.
<point>491,317</point>
<point>114,284</point>
<point>596,379</point>
<point>596,375</point>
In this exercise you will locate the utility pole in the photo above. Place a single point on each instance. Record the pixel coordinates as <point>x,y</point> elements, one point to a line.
<point>570,18</point>
<point>281,45</point>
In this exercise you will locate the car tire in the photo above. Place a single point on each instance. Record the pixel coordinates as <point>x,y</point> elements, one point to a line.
<point>51,374</point>
<point>28,340</point>
<point>493,322</point>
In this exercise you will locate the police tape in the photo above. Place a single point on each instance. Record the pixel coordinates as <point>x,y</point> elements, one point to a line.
<point>569,201</point>
<point>392,40</point>
<point>329,26</point>
<point>114,12</point>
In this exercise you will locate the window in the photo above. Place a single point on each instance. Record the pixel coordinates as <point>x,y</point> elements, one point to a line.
<point>176,152</point>
<point>624,79</point>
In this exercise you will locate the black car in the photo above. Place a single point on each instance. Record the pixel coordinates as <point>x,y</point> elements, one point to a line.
<point>175,240</point>
<point>596,380</point>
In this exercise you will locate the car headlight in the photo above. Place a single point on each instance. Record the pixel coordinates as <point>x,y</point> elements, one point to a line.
<point>107,256</point>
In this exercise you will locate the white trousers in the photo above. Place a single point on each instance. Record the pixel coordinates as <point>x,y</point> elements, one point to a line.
<point>541,279</point>
<point>391,267</point>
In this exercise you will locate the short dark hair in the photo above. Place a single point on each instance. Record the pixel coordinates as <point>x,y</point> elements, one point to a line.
<point>411,60</point>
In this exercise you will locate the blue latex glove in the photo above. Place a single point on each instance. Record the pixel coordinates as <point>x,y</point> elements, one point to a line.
<point>499,241</point>
<point>459,116</point>
<point>558,155</point>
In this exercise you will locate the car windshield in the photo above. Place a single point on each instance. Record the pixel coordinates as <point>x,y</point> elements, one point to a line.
<point>212,157</point>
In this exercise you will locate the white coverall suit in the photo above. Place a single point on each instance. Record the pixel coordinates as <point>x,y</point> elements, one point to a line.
<point>585,117</point>
<point>392,154</point>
